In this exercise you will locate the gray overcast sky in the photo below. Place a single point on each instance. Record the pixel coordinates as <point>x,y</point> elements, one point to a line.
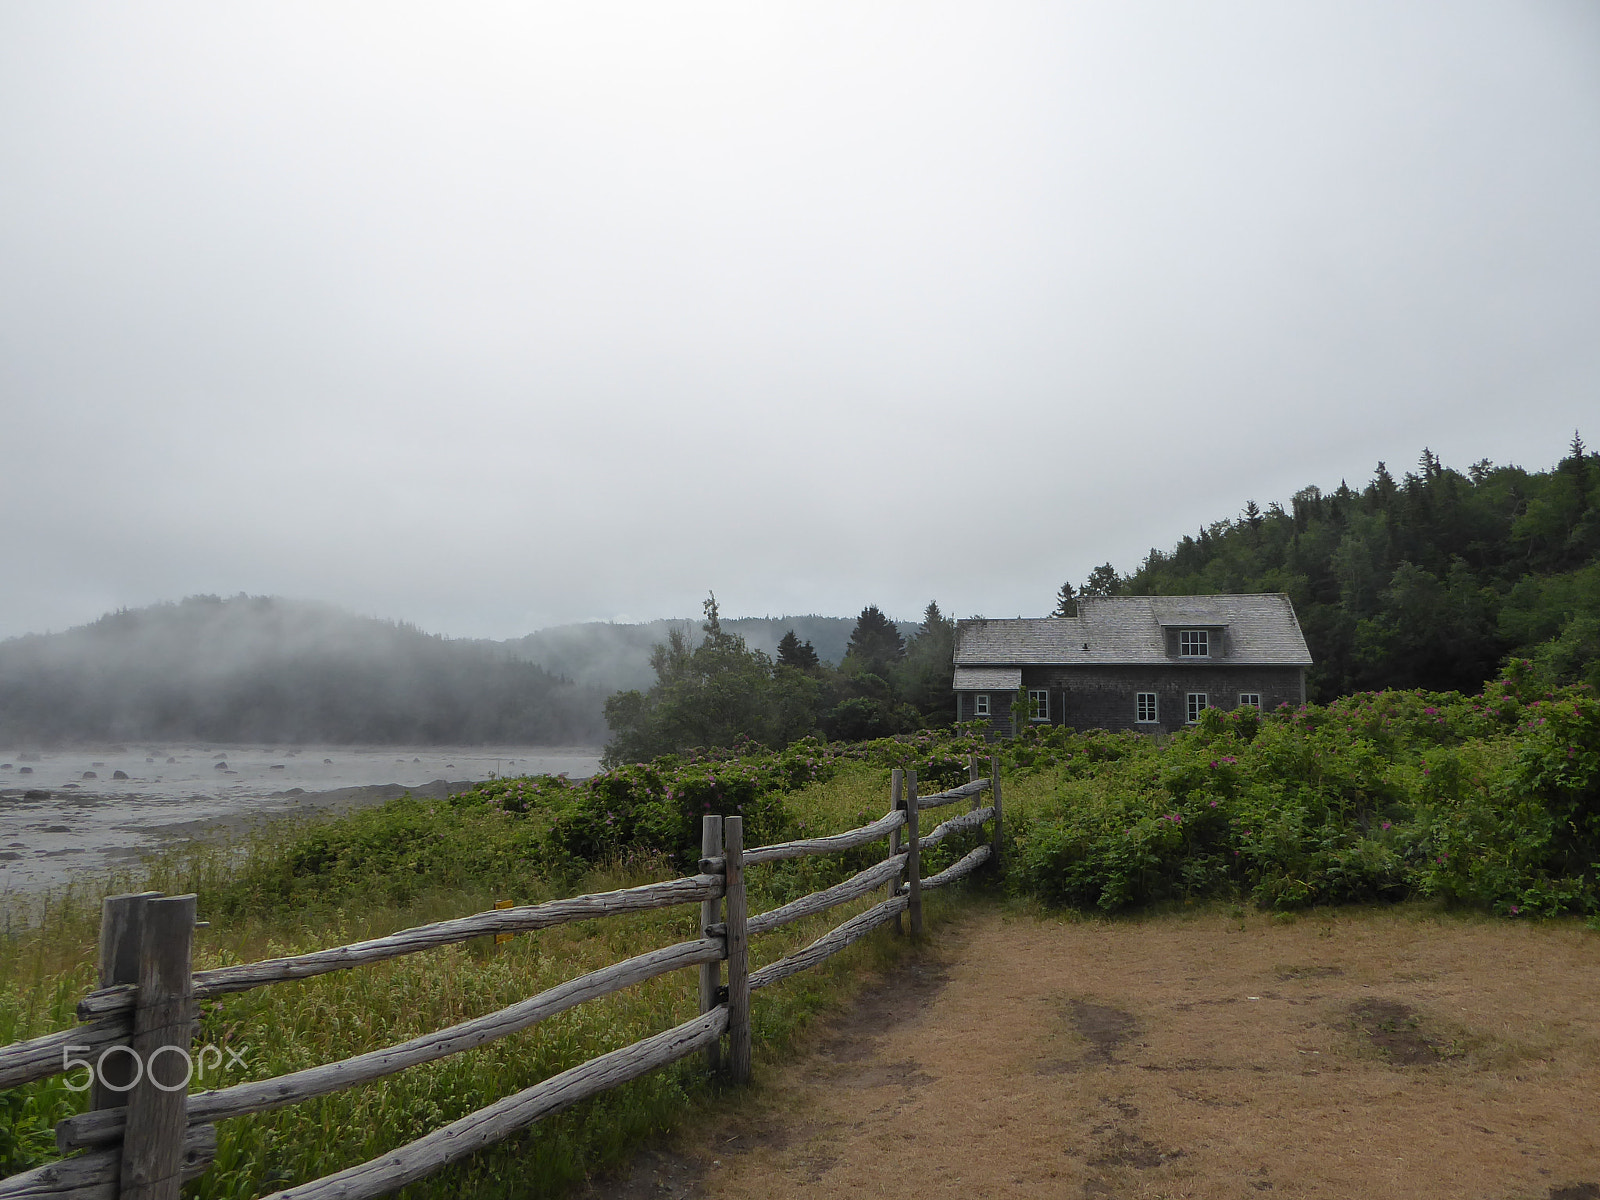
<point>492,317</point>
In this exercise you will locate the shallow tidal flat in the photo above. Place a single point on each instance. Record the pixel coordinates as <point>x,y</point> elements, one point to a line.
<point>85,812</point>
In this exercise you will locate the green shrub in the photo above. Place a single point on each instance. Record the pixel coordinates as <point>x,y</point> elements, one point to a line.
<point>1489,800</point>
<point>657,806</point>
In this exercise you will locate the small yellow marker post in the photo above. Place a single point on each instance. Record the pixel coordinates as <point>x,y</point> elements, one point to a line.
<point>501,938</point>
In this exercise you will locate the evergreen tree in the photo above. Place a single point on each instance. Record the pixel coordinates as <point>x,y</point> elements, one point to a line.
<point>927,675</point>
<point>1253,519</point>
<point>1104,580</point>
<point>875,643</point>
<point>1066,602</point>
<point>792,652</point>
<point>1380,492</point>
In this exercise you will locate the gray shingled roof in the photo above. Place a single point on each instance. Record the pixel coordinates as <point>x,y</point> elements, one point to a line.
<point>1127,630</point>
<point>988,679</point>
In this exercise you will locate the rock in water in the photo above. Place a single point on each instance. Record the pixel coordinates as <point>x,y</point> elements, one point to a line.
<point>221,766</point>
<point>119,774</point>
<point>90,775</point>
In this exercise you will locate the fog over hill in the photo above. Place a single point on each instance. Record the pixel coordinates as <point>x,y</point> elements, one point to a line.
<point>260,669</point>
<point>271,670</point>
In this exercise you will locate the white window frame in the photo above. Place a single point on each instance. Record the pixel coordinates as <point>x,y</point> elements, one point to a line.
<point>1038,704</point>
<point>980,704</point>
<point>1139,699</point>
<point>1250,700</point>
<point>1194,710</point>
<point>1194,643</point>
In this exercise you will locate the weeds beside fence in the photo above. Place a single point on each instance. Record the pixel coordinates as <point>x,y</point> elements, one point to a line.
<point>145,1145</point>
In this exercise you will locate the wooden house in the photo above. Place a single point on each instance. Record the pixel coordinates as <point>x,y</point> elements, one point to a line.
<point>1150,663</point>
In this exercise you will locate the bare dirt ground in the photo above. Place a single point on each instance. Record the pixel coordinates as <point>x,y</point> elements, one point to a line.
<point>1350,1054</point>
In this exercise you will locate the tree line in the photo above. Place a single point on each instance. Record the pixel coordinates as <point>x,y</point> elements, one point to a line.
<point>1434,580</point>
<point>718,691</point>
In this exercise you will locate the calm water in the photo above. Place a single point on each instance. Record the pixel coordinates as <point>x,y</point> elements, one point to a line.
<point>173,793</point>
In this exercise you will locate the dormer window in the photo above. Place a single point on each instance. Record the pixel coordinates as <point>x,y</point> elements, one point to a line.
<point>1194,643</point>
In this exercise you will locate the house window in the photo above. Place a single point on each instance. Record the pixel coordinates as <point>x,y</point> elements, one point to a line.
<point>1144,707</point>
<point>1197,701</point>
<point>1194,643</point>
<point>980,704</point>
<point>1250,700</point>
<point>1039,704</point>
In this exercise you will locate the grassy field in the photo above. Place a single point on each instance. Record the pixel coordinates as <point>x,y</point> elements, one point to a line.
<point>474,851</point>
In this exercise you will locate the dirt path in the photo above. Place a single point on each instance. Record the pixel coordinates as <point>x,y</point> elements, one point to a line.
<point>1367,1054</point>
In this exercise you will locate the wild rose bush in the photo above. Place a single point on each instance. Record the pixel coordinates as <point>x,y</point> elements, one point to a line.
<point>1490,800</point>
<point>938,756</point>
<point>657,806</point>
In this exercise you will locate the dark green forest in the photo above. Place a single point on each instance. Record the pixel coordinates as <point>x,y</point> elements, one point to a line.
<point>1434,580</point>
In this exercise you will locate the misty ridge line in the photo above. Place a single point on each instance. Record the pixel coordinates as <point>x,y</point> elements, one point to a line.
<point>273,670</point>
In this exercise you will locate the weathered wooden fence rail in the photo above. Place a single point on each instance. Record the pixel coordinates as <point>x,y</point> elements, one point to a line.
<point>144,1135</point>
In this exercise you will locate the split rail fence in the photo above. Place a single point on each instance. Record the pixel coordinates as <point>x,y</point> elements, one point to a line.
<point>142,1137</point>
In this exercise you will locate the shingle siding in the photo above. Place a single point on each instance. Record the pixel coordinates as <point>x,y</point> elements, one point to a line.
<point>1103,697</point>
<point>1094,665</point>
<point>999,717</point>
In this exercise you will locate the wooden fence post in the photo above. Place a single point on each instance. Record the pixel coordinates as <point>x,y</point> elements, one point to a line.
<point>972,777</point>
<point>710,914</point>
<point>121,922</point>
<point>994,788</point>
<point>896,791</point>
<point>738,953</point>
<point>914,862</point>
<point>152,1147</point>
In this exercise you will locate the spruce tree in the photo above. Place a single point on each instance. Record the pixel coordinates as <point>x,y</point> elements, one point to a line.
<point>875,643</point>
<point>1104,580</point>
<point>792,652</point>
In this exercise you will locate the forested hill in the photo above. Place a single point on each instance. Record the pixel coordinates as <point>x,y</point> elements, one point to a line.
<point>1432,580</point>
<point>259,669</point>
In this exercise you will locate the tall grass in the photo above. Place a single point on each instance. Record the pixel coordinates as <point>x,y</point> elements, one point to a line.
<point>288,889</point>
